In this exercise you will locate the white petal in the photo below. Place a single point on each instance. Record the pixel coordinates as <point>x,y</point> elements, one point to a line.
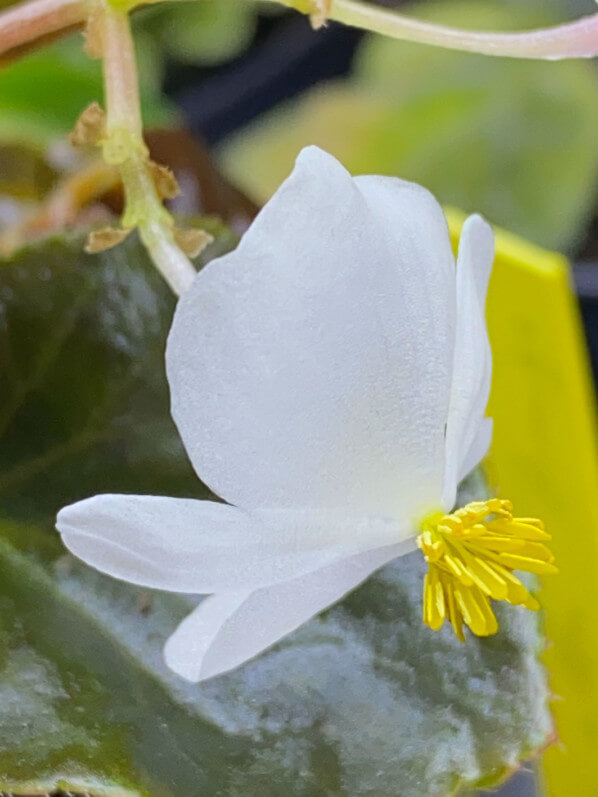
<point>473,358</point>
<point>478,449</point>
<point>202,546</point>
<point>228,629</point>
<point>312,365</point>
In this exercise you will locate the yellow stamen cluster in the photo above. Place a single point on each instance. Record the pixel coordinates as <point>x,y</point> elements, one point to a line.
<point>472,554</point>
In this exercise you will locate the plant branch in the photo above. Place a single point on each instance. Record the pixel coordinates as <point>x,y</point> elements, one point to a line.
<point>32,23</point>
<point>36,21</point>
<point>578,39</point>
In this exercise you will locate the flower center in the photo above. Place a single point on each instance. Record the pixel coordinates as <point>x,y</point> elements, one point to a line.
<point>471,556</point>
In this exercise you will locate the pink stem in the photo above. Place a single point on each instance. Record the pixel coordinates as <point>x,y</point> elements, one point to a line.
<point>23,24</point>
<point>578,39</point>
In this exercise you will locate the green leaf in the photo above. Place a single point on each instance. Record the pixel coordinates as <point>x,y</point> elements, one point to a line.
<point>42,95</point>
<point>512,139</point>
<point>361,700</point>
<point>203,33</point>
<point>60,310</point>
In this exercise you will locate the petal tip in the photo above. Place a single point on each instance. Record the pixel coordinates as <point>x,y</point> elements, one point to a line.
<point>180,663</point>
<point>476,222</point>
<point>68,515</point>
<point>317,161</point>
<point>186,663</point>
<point>71,517</point>
<point>478,226</point>
<point>477,243</point>
<point>313,153</point>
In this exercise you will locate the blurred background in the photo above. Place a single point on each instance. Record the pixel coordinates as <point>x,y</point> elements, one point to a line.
<point>513,140</point>
<point>237,88</point>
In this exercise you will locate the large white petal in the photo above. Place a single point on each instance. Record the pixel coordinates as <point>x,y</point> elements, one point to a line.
<point>203,547</point>
<point>228,629</point>
<point>468,432</point>
<point>312,365</point>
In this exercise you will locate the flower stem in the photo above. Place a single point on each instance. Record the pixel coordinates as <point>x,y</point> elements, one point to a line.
<point>578,39</point>
<point>124,148</point>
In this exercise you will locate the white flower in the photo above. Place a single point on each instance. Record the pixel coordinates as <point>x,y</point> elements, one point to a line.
<point>329,379</point>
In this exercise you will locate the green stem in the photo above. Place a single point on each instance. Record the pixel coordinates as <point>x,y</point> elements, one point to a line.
<point>123,147</point>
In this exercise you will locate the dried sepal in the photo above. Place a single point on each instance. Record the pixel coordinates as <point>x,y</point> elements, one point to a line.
<point>193,241</point>
<point>164,180</point>
<point>105,238</point>
<point>319,12</point>
<point>90,127</point>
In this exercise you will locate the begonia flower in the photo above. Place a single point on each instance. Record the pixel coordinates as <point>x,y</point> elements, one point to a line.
<point>329,379</point>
